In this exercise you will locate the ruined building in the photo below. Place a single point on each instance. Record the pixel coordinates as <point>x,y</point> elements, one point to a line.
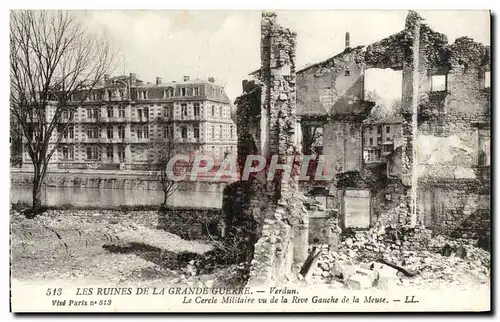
<point>266,217</point>
<point>119,122</point>
<point>438,172</point>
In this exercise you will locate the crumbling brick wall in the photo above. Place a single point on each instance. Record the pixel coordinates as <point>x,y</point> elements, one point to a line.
<point>454,130</point>
<point>266,217</point>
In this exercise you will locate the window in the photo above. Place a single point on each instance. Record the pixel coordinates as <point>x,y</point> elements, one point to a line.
<point>221,132</point>
<point>379,140</point>
<point>387,129</point>
<point>487,79</point>
<point>364,141</point>
<point>232,131</point>
<point>139,132</point>
<point>146,132</point>
<point>121,154</point>
<point>167,133</point>
<point>121,111</point>
<point>438,83</point>
<point>196,91</point>
<point>109,132</point>
<point>483,147</point>
<point>96,113</point>
<point>65,115</point>
<point>146,112</point>
<point>347,73</point>
<point>92,153</point>
<point>379,130</point>
<point>69,133</point>
<point>196,131</point>
<point>184,132</point>
<point>89,113</point>
<point>371,141</point>
<point>196,109</point>
<point>170,92</point>
<point>213,110</point>
<point>213,132</point>
<point>92,132</point>
<point>184,109</point>
<point>121,132</point>
<point>183,91</point>
<point>110,111</point>
<point>109,152</point>
<point>68,153</point>
<point>167,111</point>
<point>139,113</point>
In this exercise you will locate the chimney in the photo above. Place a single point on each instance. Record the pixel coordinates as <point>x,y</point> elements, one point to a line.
<point>186,78</point>
<point>211,80</point>
<point>158,81</point>
<point>347,40</point>
<point>133,78</point>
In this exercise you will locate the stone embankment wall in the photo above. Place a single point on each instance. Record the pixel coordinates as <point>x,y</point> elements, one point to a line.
<point>112,181</point>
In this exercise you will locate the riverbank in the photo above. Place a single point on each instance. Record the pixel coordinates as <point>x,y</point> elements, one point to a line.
<point>118,247</point>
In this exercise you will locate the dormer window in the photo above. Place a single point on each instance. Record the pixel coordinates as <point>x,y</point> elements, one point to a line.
<point>438,83</point>
<point>196,91</point>
<point>183,91</point>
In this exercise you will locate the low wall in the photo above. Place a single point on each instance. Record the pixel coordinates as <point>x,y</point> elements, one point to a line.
<point>111,180</point>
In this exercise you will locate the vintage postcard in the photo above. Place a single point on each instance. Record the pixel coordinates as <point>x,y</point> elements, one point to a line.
<point>250,161</point>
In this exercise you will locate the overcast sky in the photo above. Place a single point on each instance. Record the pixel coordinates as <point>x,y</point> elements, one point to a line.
<point>226,44</point>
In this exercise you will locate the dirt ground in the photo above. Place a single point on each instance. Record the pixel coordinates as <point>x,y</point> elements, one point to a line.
<point>91,247</point>
<point>111,248</point>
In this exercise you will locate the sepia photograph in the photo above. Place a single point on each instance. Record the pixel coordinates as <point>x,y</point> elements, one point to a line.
<point>250,160</point>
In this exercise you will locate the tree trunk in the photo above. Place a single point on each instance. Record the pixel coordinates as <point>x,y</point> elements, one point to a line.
<point>37,194</point>
<point>165,197</point>
<point>37,188</point>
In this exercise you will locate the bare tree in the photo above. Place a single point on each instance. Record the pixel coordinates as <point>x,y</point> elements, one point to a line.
<point>51,59</point>
<point>162,152</point>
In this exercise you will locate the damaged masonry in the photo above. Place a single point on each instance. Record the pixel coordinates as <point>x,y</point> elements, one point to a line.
<point>409,203</point>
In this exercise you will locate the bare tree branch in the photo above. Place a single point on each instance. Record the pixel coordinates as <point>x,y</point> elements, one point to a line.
<point>51,59</point>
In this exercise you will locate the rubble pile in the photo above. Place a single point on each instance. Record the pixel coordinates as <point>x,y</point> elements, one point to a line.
<point>374,259</point>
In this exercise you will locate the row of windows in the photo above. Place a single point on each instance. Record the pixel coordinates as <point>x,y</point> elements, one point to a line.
<point>439,82</point>
<point>196,110</point>
<point>184,92</point>
<point>94,132</point>
<point>142,132</point>
<point>379,129</point>
<point>94,113</point>
<point>379,141</point>
<point>92,153</point>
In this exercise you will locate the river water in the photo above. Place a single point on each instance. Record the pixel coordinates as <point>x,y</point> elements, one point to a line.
<point>58,196</point>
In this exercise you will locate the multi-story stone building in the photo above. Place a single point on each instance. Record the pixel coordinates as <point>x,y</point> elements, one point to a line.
<point>381,138</point>
<point>121,122</point>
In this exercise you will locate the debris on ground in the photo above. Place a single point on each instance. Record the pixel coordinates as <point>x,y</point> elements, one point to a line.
<point>376,258</point>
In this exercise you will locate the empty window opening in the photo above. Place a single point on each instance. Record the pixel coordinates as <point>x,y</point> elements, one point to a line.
<point>438,83</point>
